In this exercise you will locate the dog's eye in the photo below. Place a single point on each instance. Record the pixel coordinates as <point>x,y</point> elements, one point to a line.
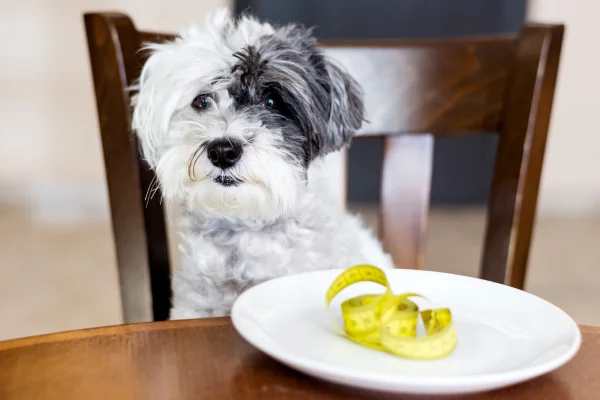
<point>201,102</point>
<point>270,102</point>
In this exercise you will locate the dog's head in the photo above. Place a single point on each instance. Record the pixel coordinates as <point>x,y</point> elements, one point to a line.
<point>231,116</point>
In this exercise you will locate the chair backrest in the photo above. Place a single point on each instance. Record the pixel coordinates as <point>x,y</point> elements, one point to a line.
<point>414,90</point>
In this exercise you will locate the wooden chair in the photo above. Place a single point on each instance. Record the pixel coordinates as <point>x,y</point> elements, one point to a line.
<point>414,90</point>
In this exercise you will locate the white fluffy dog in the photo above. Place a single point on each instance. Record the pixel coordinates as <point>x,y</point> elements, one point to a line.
<point>235,119</point>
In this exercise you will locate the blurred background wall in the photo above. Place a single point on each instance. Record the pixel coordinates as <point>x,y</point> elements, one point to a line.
<point>571,179</point>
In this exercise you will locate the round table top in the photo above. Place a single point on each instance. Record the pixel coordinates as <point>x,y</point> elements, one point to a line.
<point>207,359</point>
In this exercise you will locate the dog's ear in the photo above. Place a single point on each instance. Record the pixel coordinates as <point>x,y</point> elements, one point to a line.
<point>338,110</point>
<point>346,113</point>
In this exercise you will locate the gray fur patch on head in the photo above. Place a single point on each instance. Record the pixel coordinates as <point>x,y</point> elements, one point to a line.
<point>330,101</point>
<point>319,105</point>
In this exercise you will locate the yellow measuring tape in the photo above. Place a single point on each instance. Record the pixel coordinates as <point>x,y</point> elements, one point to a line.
<point>388,322</point>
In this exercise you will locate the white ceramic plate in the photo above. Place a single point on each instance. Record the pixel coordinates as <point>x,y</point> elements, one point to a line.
<point>505,335</point>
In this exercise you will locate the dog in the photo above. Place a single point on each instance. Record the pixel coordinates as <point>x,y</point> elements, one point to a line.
<point>237,119</point>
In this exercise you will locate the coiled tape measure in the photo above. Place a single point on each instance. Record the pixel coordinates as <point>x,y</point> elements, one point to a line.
<point>388,322</point>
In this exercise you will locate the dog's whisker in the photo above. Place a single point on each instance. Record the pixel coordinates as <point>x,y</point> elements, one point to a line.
<point>193,160</point>
<point>152,189</point>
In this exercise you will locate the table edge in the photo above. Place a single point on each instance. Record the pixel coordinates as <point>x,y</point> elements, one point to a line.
<point>145,327</point>
<point>112,330</point>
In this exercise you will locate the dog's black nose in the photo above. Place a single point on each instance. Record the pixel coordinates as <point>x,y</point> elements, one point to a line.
<point>224,153</point>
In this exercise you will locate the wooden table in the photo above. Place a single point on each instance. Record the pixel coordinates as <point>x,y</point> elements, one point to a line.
<point>207,359</point>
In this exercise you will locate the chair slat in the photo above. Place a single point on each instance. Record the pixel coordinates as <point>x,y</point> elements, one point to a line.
<point>405,187</point>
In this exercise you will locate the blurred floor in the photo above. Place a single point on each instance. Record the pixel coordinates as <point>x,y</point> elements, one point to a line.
<point>54,279</point>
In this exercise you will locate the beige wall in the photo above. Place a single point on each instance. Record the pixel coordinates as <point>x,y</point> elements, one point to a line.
<point>571,178</point>
<point>49,145</point>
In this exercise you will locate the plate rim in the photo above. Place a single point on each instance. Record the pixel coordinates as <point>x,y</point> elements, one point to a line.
<point>352,377</point>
